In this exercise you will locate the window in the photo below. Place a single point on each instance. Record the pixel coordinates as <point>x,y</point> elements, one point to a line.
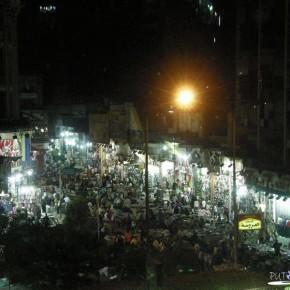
<point>47,9</point>
<point>3,107</point>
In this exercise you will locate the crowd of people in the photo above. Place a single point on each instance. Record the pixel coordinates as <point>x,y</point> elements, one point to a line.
<point>175,217</point>
<point>182,231</point>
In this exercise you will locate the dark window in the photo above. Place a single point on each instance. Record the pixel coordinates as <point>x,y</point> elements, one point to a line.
<point>3,107</point>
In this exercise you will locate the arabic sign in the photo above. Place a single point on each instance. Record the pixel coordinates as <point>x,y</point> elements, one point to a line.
<point>248,222</point>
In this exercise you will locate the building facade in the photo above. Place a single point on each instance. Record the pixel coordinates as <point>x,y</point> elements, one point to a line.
<point>262,83</point>
<point>9,109</point>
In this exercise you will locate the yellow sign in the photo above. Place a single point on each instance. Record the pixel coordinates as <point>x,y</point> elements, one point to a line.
<point>250,222</point>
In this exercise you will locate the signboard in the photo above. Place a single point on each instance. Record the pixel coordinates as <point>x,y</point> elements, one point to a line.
<point>68,171</point>
<point>248,222</point>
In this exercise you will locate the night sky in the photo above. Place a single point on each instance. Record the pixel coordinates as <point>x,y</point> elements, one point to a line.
<point>125,50</point>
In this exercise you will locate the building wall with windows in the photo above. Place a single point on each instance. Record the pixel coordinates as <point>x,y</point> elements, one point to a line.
<point>9,108</point>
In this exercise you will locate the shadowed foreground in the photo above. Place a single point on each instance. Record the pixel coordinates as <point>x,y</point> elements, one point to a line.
<point>225,280</point>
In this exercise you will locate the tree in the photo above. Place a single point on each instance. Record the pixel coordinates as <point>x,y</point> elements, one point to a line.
<point>77,213</point>
<point>41,256</point>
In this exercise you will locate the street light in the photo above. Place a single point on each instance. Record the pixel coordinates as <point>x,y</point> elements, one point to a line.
<point>147,201</point>
<point>184,98</point>
<point>234,196</point>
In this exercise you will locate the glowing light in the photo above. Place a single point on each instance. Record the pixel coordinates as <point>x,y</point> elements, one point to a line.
<point>185,97</point>
<point>71,142</point>
<point>263,207</point>
<point>182,156</point>
<point>242,191</point>
<point>29,172</point>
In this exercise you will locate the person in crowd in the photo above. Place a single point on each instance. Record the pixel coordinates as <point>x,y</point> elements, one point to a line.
<point>217,258</point>
<point>120,243</point>
<point>277,247</point>
<point>160,217</point>
<point>66,201</point>
<point>108,219</point>
<point>128,221</point>
<point>45,221</point>
<point>36,212</point>
<point>207,261</point>
<point>201,222</point>
<point>128,237</point>
<point>44,202</point>
<point>104,232</point>
<point>57,204</point>
<point>127,205</point>
<point>176,209</point>
<point>201,257</point>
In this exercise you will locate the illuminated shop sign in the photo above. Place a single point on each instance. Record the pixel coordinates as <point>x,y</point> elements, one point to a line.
<point>248,222</point>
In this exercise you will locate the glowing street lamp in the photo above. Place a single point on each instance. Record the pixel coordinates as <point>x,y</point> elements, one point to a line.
<point>185,97</point>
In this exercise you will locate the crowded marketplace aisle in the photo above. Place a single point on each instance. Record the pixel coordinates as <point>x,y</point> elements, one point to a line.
<point>186,234</point>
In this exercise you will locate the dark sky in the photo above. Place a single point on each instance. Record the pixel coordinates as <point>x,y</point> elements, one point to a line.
<point>124,49</point>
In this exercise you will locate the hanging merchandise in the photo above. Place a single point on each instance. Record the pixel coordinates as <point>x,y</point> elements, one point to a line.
<point>9,147</point>
<point>198,188</point>
<point>28,195</point>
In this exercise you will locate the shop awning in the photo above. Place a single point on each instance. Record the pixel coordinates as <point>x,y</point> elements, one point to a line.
<point>270,190</point>
<point>283,184</point>
<point>39,147</point>
<point>268,179</point>
<point>270,183</point>
<point>251,175</point>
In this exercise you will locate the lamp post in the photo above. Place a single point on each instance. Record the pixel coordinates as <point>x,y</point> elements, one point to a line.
<point>234,195</point>
<point>184,99</point>
<point>147,200</point>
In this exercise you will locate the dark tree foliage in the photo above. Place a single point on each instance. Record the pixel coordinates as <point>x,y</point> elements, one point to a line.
<point>77,213</point>
<point>44,257</point>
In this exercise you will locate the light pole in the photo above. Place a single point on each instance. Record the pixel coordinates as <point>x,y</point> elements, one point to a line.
<point>235,207</point>
<point>184,99</point>
<point>147,201</point>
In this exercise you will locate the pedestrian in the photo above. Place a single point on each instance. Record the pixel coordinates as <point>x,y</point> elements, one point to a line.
<point>108,219</point>
<point>128,221</point>
<point>160,217</point>
<point>57,205</point>
<point>207,262</point>
<point>43,202</point>
<point>277,247</point>
<point>128,237</point>
<point>176,209</point>
<point>66,201</point>
<point>46,221</point>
